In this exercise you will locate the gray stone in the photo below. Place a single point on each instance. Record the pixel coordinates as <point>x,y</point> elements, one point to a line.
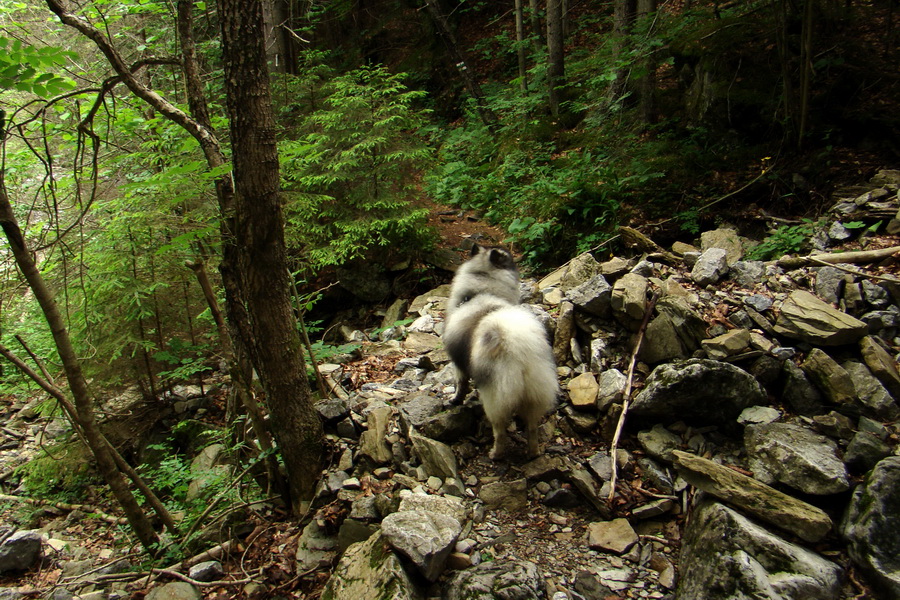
<point>871,523</point>
<point>837,233</point>
<point>210,570</point>
<point>710,267</point>
<point>749,273</point>
<point>864,451</point>
<point>874,295</point>
<point>726,556</point>
<point>178,590</point>
<point>316,549</point>
<point>496,580</point>
<point>659,442</point>
<point>728,344</point>
<point>565,332</point>
<point>881,364</point>
<point>873,397</point>
<point>795,456</point>
<point>437,458</point>
<point>593,296</point>
<point>724,238</point>
<point>831,378</point>
<point>800,518</point>
<point>611,384</point>
<point>369,570</point>
<point>676,332</point>
<point>577,271</point>
<point>805,317</point>
<point>372,442</point>
<point>428,416</point>
<point>425,537</point>
<point>394,313</point>
<point>445,505</point>
<point>20,551</point>
<point>698,389</point>
<point>759,415</point>
<point>333,409</point>
<point>799,392</point>
<point>835,425</point>
<point>506,495</point>
<point>629,299</point>
<point>758,302</point>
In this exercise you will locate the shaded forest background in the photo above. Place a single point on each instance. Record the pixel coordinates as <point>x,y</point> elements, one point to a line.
<point>556,122</point>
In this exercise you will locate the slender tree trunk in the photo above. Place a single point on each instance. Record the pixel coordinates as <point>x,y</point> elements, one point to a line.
<point>262,258</point>
<point>624,12</point>
<point>537,32</point>
<point>240,378</point>
<point>456,55</point>
<point>806,57</point>
<point>84,403</point>
<point>556,68</point>
<point>646,85</point>
<point>520,45</point>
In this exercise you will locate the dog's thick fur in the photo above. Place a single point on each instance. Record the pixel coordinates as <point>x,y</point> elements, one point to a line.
<point>500,345</point>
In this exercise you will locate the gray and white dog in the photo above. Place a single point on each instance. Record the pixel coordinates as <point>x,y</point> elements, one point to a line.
<point>500,345</point>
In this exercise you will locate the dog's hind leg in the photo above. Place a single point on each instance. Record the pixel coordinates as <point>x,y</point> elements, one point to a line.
<point>462,387</point>
<point>501,440</point>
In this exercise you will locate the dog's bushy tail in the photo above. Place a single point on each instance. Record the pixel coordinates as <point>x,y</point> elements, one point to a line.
<point>512,365</point>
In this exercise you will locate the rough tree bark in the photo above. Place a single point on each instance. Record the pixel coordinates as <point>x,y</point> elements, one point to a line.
<point>262,258</point>
<point>520,45</point>
<point>236,338</point>
<point>556,66</point>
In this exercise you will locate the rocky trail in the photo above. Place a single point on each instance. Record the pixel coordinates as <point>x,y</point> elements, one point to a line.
<point>758,455</point>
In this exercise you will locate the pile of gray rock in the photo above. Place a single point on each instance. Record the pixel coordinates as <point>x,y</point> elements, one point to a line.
<point>760,457</point>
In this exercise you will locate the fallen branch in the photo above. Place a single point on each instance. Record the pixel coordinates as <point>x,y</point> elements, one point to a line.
<point>627,395</point>
<point>853,257</point>
<point>87,508</point>
<point>816,259</point>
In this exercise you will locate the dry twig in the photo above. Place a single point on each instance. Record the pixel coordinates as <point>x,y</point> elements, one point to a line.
<point>627,395</point>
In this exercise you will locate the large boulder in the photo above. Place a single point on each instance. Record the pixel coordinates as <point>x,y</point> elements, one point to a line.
<point>425,537</point>
<point>20,551</point>
<point>701,390</point>
<point>369,570</point>
<point>871,523</point>
<point>494,580</point>
<point>797,457</point>
<point>805,317</point>
<point>726,556</point>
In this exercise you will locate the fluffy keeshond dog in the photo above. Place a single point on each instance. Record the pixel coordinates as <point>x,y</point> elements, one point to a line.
<point>499,344</point>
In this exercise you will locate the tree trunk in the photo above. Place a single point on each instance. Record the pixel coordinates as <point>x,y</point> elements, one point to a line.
<point>624,12</point>
<point>806,69</point>
<point>646,85</point>
<point>238,336</point>
<point>556,69</point>
<point>262,258</point>
<point>520,45</point>
<point>84,403</point>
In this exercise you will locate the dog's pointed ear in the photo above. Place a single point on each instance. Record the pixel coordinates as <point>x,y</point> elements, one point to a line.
<point>476,249</point>
<point>502,259</point>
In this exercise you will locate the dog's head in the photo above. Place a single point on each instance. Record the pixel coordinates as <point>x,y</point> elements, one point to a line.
<point>496,257</point>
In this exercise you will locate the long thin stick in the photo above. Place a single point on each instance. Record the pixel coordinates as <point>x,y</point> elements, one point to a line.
<point>613,447</point>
